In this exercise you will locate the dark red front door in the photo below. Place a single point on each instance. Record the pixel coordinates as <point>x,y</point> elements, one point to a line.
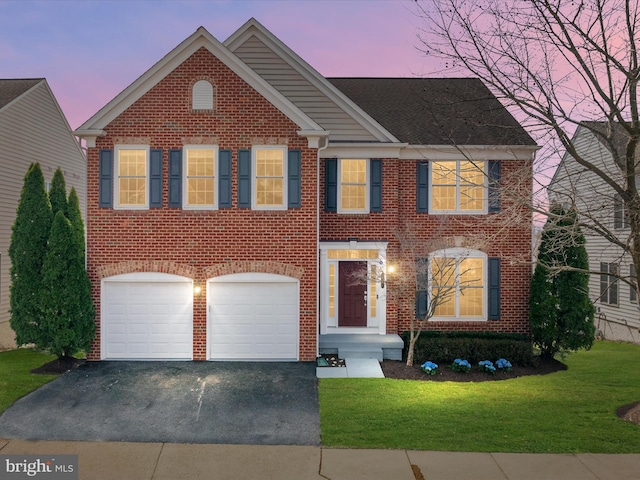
<point>352,294</point>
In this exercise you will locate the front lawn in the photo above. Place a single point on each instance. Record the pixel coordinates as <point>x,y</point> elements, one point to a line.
<point>15,377</point>
<point>571,411</point>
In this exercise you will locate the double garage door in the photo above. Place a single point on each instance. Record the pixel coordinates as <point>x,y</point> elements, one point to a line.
<point>250,316</point>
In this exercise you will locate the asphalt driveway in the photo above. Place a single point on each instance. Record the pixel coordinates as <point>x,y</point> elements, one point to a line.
<point>176,402</point>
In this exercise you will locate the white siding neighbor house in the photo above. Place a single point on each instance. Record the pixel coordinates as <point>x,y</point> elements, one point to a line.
<point>32,129</point>
<point>617,312</point>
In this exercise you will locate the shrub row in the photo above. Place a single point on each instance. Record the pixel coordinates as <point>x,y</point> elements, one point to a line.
<point>445,347</point>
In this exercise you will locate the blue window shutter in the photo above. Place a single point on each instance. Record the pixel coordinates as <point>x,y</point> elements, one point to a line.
<point>422,303</point>
<point>375,200</point>
<point>494,289</point>
<point>422,192</point>
<point>175,178</point>
<point>422,280</point>
<point>294,187</point>
<point>224,179</point>
<point>105,195</point>
<point>331,185</point>
<point>155,179</point>
<point>244,178</point>
<point>494,185</point>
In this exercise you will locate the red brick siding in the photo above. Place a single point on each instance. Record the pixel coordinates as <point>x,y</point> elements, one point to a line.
<point>512,244</point>
<point>197,244</point>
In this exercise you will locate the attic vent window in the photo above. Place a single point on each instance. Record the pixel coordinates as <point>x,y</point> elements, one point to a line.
<point>202,96</point>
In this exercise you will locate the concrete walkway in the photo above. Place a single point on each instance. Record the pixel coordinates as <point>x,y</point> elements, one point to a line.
<point>354,368</point>
<point>166,461</point>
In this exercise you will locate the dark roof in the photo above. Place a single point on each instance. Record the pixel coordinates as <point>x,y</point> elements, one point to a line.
<point>12,88</point>
<point>435,111</point>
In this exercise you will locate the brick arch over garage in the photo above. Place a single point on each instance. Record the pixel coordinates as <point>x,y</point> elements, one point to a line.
<point>159,266</point>
<point>254,266</point>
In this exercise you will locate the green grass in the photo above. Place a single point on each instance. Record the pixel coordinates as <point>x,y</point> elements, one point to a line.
<point>15,378</point>
<point>572,411</point>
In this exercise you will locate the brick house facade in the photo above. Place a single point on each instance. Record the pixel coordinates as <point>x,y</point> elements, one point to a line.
<point>233,192</point>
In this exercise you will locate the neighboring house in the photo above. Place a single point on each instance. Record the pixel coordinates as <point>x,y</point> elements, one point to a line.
<point>234,194</point>
<point>32,129</point>
<point>617,315</point>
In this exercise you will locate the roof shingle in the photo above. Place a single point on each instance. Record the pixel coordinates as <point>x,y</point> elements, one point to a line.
<point>12,88</point>
<point>436,111</point>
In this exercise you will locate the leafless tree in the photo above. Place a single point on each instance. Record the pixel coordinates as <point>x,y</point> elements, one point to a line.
<point>559,66</point>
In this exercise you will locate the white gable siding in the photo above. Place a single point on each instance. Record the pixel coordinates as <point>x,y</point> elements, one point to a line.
<point>301,92</point>
<point>591,194</point>
<point>31,130</point>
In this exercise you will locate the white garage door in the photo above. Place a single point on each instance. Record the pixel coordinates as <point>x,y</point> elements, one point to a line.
<point>147,317</point>
<point>253,316</point>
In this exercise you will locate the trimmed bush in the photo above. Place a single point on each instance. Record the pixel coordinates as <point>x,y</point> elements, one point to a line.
<point>445,347</point>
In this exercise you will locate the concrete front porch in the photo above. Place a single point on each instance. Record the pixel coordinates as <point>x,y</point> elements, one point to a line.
<point>353,345</point>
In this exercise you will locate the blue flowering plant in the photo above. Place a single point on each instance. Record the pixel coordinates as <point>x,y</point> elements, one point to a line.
<point>487,366</point>
<point>503,365</point>
<point>429,368</point>
<point>459,365</point>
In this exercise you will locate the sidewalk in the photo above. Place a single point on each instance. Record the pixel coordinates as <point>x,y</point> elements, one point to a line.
<point>165,461</point>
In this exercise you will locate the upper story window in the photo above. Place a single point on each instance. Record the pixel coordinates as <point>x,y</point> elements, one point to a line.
<point>620,213</point>
<point>353,186</point>
<point>200,167</point>
<point>202,96</point>
<point>270,187</point>
<point>458,186</point>
<point>458,284</point>
<point>131,171</point>
<point>609,283</point>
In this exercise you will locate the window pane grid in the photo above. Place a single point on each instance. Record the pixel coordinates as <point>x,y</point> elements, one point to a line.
<point>200,177</point>
<point>269,178</point>
<point>457,186</point>
<point>132,177</point>
<point>458,287</point>
<point>353,184</point>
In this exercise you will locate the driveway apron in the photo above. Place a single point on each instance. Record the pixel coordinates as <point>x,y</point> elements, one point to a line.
<point>177,402</point>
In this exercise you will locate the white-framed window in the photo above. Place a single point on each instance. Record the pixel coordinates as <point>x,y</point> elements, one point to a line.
<point>269,190</point>
<point>132,177</point>
<point>202,95</point>
<point>200,177</point>
<point>609,283</point>
<point>353,185</point>
<point>457,284</point>
<point>457,186</point>
<point>633,296</point>
<point>620,213</point>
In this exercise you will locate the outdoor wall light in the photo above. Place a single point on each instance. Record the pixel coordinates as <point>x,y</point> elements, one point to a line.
<point>197,289</point>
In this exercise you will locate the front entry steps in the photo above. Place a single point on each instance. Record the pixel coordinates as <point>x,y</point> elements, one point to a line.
<point>353,345</point>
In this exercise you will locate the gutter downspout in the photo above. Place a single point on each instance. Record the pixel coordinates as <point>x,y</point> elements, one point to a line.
<point>318,210</point>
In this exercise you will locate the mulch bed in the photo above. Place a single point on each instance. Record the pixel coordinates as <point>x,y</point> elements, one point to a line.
<point>59,366</point>
<point>399,370</point>
<point>630,412</point>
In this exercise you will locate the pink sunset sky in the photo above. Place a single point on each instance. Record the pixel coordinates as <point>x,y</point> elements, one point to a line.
<point>89,51</point>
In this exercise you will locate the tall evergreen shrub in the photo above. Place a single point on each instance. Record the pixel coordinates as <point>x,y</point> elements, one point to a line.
<point>68,316</point>
<point>58,193</point>
<point>561,312</point>
<point>27,251</point>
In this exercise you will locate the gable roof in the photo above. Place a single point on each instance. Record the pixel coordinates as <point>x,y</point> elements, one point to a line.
<point>436,111</point>
<point>200,38</point>
<point>12,88</point>
<point>304,85</point>
<point>612,135</point>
